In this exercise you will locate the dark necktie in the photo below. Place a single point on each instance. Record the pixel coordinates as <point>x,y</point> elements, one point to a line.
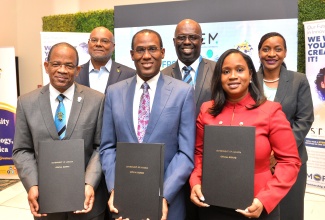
<point>60,117</point>
<point>144,112</point>
<point>187,75</point>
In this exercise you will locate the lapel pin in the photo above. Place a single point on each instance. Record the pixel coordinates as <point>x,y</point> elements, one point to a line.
<point>79,99</point>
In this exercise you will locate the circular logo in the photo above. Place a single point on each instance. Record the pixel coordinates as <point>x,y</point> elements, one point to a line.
<point>11,170</point>
<point>317,177</point>
<point>209,53</point>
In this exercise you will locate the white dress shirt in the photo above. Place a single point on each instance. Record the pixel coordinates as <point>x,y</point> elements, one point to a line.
<point>195,68</point>
<point>98,78</point>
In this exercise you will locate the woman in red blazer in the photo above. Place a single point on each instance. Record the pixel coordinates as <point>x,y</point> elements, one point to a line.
<point>237,99</point>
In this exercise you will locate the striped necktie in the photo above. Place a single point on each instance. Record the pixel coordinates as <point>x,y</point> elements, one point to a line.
<point>60,117</point>
<point>187,75</point>
<point>144,112</point>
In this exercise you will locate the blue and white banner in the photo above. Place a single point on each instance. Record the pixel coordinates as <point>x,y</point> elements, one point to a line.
<point>8,102</point>
<point>78,40</point>
<point>217,38</point>
<point>315,72</point>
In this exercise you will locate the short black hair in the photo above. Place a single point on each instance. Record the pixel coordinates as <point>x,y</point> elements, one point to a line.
<point>271,34</point>
<point>66,44</point>
<point>147,31</point>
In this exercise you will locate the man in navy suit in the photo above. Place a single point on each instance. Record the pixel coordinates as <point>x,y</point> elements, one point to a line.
<point>101,71</point>
<point>171,121</point>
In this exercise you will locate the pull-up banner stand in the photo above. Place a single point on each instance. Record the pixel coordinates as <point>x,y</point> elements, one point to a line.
<point>8,102</point>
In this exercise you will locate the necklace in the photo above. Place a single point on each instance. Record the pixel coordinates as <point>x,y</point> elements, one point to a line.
<point>271,81</point>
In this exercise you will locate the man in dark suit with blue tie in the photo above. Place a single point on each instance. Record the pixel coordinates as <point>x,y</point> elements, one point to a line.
<point>171,121</point>
<point>101,71</point>
<point>195,70</point>
<point>188,41</point>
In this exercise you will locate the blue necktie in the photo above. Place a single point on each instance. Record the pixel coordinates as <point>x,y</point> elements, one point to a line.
<point>187,75</point>
<point>60,117</point>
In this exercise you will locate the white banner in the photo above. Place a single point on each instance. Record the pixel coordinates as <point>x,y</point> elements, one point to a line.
<point>217,38</point>
<point>78,40</point>
<point>315,71</point>
<point>8,104</point>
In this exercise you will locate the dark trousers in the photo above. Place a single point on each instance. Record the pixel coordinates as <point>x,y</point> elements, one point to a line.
<point>292,205</point>
<point>192,211</point>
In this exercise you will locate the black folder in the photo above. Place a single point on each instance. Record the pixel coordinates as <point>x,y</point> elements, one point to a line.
<point>228,166</point>
<point>139,174</point>
<point>61,175</point>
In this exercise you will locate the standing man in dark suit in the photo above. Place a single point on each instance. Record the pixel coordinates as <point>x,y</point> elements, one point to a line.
<point>188,41</point>
<point>171,120</point>
<point>101,71</point>
<point>35,121</point>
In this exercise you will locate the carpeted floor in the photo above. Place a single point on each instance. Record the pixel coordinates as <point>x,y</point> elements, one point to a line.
<point>4,183</point>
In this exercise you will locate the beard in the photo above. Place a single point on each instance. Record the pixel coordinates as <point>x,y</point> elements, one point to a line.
<point>101,59</point>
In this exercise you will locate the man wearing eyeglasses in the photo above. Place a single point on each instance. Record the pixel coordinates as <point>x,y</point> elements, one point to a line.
<point>101,71</point>
<point>188,41</point>
<point>193,69</point>
<point>61,110</point>
<point>169,106</point>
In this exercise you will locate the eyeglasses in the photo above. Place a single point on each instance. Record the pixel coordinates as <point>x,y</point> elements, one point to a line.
<point>191,37</point>
<point>141,50</point>
<point>104,41</point>
<point>56,65</point>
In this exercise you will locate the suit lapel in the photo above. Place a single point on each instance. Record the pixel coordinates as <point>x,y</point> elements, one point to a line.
<point>283,85</point>
<point>176,73</point>
<point>201,75</point>
<point>114,74</point>
<point>77,102</point>
<point>159,103</point>
<point>84,74</point>
<point>45,107</point>
<point>128,104</point>
<point>260,79</point>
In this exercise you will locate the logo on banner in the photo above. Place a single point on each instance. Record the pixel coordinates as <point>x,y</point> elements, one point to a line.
<point>245,47</point>
<point>210,42</point>
<point>12,170</point>
<point>0,72</point>
<point>316,177</point>
<point>211,38</point>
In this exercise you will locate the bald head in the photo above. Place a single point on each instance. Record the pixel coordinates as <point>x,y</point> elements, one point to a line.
<point>100,46</point>
<point>188,41</point>
<point>104,32</point>
<point>188,24</point>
